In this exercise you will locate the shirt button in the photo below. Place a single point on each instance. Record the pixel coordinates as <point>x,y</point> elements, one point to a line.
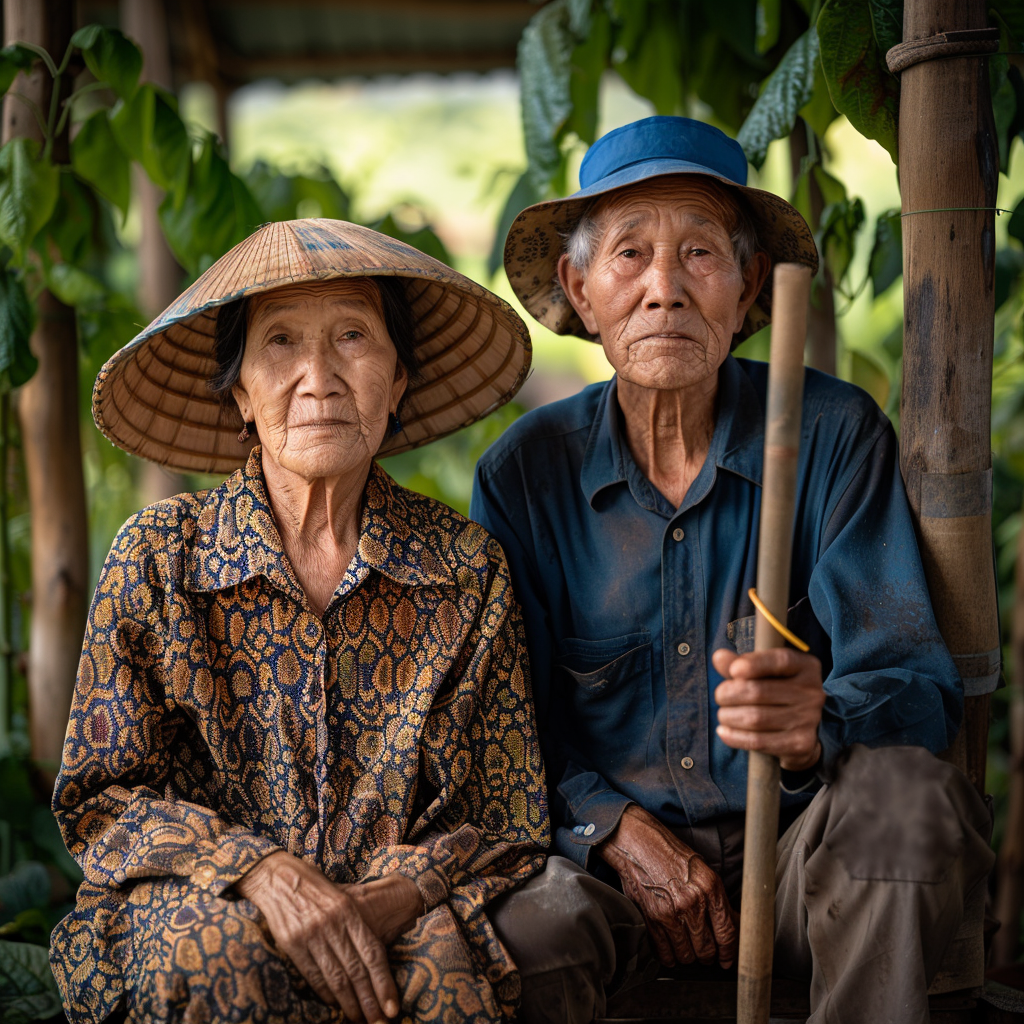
<point>590,830</point>
<point>678,534</point>
<point>687,763</point>
<point>683,649</point>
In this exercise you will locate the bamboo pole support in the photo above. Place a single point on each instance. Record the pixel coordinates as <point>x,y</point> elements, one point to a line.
<point>790,297</point>
<point>948,176</point>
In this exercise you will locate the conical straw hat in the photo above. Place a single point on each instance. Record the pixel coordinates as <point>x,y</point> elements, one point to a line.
<point>151,398</point>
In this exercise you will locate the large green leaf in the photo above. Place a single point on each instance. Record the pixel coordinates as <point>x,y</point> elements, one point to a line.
<point>788,89</point>
<point>17,363</point>
<point>818,112</point>
<point>858,81</point>
<point>98,159</point>
<point>27,887</point>
<point>29,186</point>
<point>27,989</point>
<point>14,58</point>
<point>74,287</point>
<point>111,57</point>
<point>323,194</point>
<point>423,238</point>
<point>589,61</point>
<point>652,67</point>
<point>545,71</point>
<point>149,130</point>
<point>886,262</point>
<point>886,23</point>
<point>769,19</point>
<point>217,212</point>
<point>71,225</point>
<point>837,240</point>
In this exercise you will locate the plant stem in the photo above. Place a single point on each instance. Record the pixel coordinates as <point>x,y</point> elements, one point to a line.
<point>77,94</point>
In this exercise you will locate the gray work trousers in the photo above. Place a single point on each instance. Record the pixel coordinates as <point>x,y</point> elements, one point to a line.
<point>871,881</point>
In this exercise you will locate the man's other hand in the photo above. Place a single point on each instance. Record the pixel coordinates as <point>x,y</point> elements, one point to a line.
<point>683,901</point>
<point>771,701</point>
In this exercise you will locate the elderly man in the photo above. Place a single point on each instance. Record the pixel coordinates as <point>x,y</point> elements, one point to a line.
<point>629,515</point>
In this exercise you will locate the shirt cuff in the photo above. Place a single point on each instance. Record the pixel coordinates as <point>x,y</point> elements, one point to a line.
<point>227,858</point>
<point>590,822</point>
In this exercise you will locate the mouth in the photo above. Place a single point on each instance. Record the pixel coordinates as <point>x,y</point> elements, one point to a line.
<point>321,424</point>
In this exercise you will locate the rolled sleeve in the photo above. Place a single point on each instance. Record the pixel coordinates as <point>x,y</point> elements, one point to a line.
<point>592,810</point>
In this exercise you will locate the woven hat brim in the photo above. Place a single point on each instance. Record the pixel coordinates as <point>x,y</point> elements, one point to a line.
<point>536,241</point>
<point>152,399</point>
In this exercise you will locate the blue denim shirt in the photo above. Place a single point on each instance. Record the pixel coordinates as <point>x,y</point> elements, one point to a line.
<point>625,597</point>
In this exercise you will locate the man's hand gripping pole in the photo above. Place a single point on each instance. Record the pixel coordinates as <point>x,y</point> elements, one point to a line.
<point>790,298</point>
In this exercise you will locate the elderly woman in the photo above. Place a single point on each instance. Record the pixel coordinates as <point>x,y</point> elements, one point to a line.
<point>629,515</point>
<point>301,758</point>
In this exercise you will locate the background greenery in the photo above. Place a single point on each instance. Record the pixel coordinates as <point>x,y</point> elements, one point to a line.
<point>446,163</point>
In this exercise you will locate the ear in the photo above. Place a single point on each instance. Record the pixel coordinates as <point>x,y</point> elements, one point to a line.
<point>754,276</point>
<point>574,285</point>
<point>241,397</point>
<point>401,382</point>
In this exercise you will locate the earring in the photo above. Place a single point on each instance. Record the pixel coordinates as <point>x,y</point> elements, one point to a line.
<point>396,423</point>
<point>243,434</point>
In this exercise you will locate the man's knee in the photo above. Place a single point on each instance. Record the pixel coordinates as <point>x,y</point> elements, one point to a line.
<point>901,814</point>
<point>572,938</point>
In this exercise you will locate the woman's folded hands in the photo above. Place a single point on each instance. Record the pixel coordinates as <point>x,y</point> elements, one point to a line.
<point>335,935</point>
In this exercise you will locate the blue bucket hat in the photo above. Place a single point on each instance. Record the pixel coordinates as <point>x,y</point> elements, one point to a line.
<point>652,148</point>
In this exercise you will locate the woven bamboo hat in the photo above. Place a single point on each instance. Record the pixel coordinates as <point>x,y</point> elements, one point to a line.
<point>151,398</point>
<point>654,147</point>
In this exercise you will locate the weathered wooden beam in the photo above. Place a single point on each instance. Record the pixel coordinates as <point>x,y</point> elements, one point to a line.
<point>948,176</point>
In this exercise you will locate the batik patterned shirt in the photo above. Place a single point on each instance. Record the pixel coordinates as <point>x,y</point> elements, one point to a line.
<point>217,719</point>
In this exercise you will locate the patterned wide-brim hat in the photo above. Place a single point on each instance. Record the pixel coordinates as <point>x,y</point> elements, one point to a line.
<point>652,148</point>
<point>152,397</point>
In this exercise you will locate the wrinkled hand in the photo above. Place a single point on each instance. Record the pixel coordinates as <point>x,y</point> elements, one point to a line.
<point>321,928</point>
<point>771,701</point>
<point>683,901</point>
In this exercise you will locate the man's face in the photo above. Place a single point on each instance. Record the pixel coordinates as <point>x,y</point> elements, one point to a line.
<point>663,290</point>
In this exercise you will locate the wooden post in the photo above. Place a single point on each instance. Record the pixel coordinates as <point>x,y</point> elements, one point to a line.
<point>948,164</point>
<point>160,277</point>
<point>791,294</point>
<point>820,350</point>
<point>48,410</point>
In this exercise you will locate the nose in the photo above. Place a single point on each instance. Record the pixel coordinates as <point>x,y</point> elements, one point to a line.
<point>665,284</point>
<point>320,379</point>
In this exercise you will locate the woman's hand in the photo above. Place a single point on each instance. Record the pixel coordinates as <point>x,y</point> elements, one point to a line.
<point>390,905</point>
<point>320,927</point>
<point>771,701</point>
<point>683,901</point>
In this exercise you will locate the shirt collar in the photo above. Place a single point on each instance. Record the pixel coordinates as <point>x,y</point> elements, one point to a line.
<point>237,537</point>
<point>737,444</point>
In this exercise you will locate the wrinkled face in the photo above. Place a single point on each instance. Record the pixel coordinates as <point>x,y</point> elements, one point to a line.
<point>319,376</point>
<point>663,290</point>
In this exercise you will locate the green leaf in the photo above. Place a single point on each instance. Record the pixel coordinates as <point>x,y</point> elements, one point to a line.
<point>858,81</point>
<point>27,887</point>
<point>111,57</point>
<point>74,287</point>
<point>544,61</point>
<point>867,374</point>
<point>29,186</point>
<point>16,359</point>
<point>1016,225</point>
<point>886,23</point>
<point>323,192</point>
<point>1009,271</point>
<point>589,61</point>
<point>14,58</point>
<point>98,159</point>
<point>788,89</point>
<point>423,238</point>
<point>652,68</point>
<point>818,112</point>
<point>149,130</point>
<point>886,262</point>
<point>71,225</point>
<point>216,212</point>
<point>840,222</point>
<point>521,196</point>
<point>1012,13</point>
<point>725,82</point>
<point>27,989</point>
<point>769,19</point>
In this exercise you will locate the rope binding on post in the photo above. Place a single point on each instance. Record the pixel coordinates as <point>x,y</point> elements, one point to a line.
<point>960,43</point>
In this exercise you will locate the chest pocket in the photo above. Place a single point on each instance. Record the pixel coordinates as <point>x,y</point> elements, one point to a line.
<point>608,706</point>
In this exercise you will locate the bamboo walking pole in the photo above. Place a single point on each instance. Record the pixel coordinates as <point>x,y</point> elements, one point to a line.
<point>790,296</point>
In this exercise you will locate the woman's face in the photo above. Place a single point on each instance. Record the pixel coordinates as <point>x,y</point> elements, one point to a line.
<point>319,376</point>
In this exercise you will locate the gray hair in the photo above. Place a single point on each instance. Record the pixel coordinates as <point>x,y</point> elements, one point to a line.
<point>581,241</point>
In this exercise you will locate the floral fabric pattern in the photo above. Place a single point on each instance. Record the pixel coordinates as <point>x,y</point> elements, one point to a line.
<point>216,719</point>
